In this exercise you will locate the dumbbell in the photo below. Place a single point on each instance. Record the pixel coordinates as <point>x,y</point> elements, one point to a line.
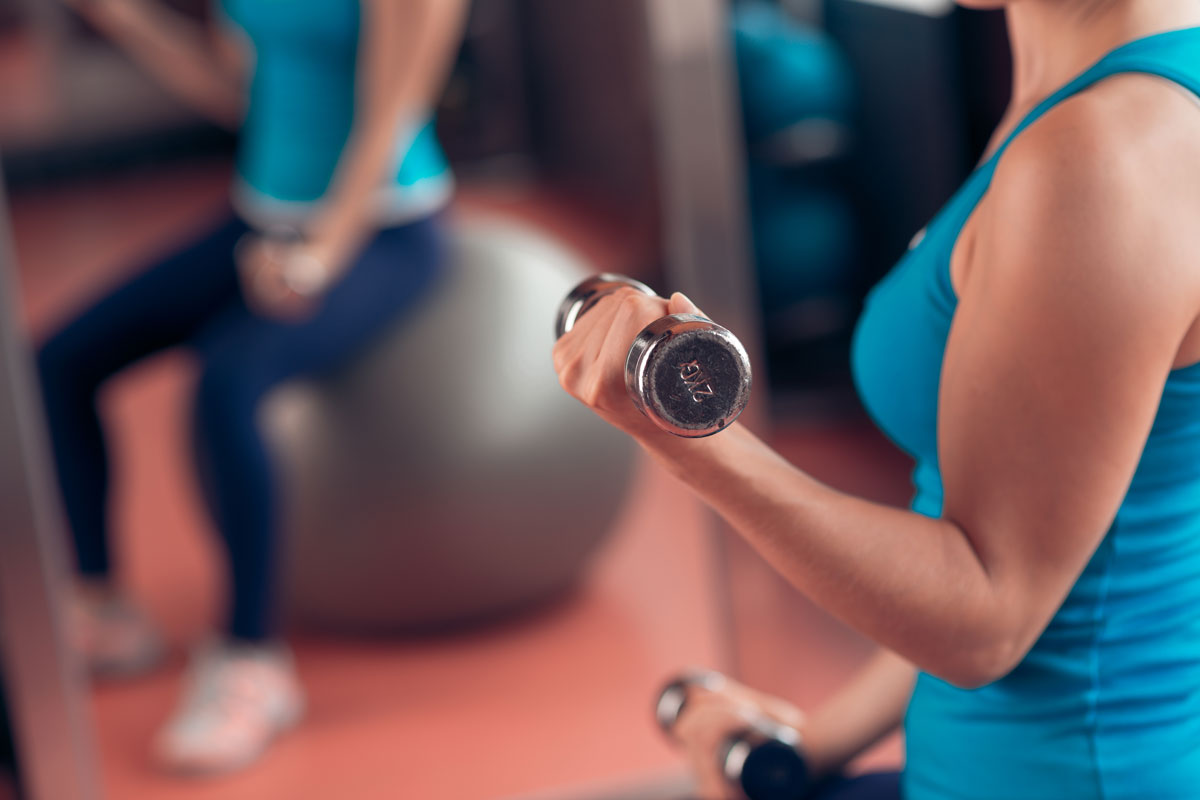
<point>690,376</point>
<point>762,760</point>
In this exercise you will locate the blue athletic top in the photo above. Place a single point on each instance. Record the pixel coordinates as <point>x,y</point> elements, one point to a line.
<point>300,110</point>
<point>1107,703</point>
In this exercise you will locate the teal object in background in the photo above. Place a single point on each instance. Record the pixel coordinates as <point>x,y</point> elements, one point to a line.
<point>797,101</point>
<point>1107,702</point>
<point>301,109</point>
<point>803,239</point>
<point>787,72</point>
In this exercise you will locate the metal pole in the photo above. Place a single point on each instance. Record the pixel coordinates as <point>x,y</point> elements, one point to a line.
<point>702,183</point>
<point>701,170</point>
<point>43,682</point>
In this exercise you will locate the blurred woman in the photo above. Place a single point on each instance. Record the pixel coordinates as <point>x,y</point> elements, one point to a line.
<point>1038,352</point>
<point>338,185</point>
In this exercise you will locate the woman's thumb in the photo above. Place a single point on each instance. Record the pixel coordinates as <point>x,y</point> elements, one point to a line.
<point>680,304</point>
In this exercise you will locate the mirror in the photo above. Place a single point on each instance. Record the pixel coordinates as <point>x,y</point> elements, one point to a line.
<point>525,630</point>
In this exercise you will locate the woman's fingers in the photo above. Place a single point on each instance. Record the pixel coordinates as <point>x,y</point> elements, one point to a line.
<point>606,380</point>
<point>768,705</point>
<point>679,303</point>
<point>706,724</point>
<point>775,708</point>
<point>711,716</point>
<point>261,265</point>
<point>590,358</point>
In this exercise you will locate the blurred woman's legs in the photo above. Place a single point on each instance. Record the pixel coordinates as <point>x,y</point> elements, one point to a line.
<point>244,357</point>
<point>160,307</point>
<point>242,690</point>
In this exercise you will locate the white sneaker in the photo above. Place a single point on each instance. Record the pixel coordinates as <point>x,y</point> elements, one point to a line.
<point>114,637</point>
<point>236,701</point>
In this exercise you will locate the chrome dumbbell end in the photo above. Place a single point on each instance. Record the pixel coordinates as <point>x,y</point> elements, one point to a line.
<point>674,695</point>
<point>689,375</point>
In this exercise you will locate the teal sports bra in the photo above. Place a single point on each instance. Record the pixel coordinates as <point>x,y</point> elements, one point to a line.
<point>1107,702</point>
<point>300,112</point>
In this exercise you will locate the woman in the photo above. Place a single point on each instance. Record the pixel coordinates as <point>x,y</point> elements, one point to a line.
<point>339,180</point>
<point>1036,351</point>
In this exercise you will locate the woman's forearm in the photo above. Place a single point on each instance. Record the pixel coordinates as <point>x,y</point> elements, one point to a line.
<point>911,583</point>
<point>869,707</point>
<point>176,51</point>
<point>405,53</point>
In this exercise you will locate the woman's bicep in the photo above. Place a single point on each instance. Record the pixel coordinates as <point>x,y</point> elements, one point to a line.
<point>1053,371</point>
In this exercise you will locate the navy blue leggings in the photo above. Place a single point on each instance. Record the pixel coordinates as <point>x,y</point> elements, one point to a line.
<point>193,298</point>
<point>874,786</point>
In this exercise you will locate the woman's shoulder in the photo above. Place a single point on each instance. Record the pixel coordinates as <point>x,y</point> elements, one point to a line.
<point>1130,132</point>
<point>1113,169</point>
<point>1094,206</point>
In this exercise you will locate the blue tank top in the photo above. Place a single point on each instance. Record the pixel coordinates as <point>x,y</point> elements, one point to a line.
<point>300,111</point>
<point>1107,702</point>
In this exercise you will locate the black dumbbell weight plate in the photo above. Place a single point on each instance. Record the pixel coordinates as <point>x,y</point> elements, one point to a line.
<point>769,769</point>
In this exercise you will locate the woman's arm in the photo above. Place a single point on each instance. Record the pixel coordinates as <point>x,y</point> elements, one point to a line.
<point>1078,296</point>
<point>201,65</point>
<point>869,707</point>
<point>406,50</point>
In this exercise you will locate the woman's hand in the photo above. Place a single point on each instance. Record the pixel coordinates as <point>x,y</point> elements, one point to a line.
<point>711,717</point>
<point>590,358</point>
<point>281,279</point>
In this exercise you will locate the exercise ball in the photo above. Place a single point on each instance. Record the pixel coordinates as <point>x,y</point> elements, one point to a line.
<point>444,477</point>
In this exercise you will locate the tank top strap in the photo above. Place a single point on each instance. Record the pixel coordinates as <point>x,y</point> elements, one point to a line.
<point>1173,56</point>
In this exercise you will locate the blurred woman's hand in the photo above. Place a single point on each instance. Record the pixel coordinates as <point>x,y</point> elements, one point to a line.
<point>590,358</point>
<point>711,717</point>
<point>281,279</point>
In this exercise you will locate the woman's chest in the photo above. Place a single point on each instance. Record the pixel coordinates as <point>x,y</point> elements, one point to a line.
<point>900,341</point>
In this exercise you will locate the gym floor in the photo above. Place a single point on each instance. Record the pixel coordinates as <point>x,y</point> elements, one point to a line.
<point>559,699</point>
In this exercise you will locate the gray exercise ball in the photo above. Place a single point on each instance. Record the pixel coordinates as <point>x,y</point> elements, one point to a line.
<point>444,477</point>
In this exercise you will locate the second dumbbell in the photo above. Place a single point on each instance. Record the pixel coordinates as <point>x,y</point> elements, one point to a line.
<point>688,375</point>
<point>762,761</point>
